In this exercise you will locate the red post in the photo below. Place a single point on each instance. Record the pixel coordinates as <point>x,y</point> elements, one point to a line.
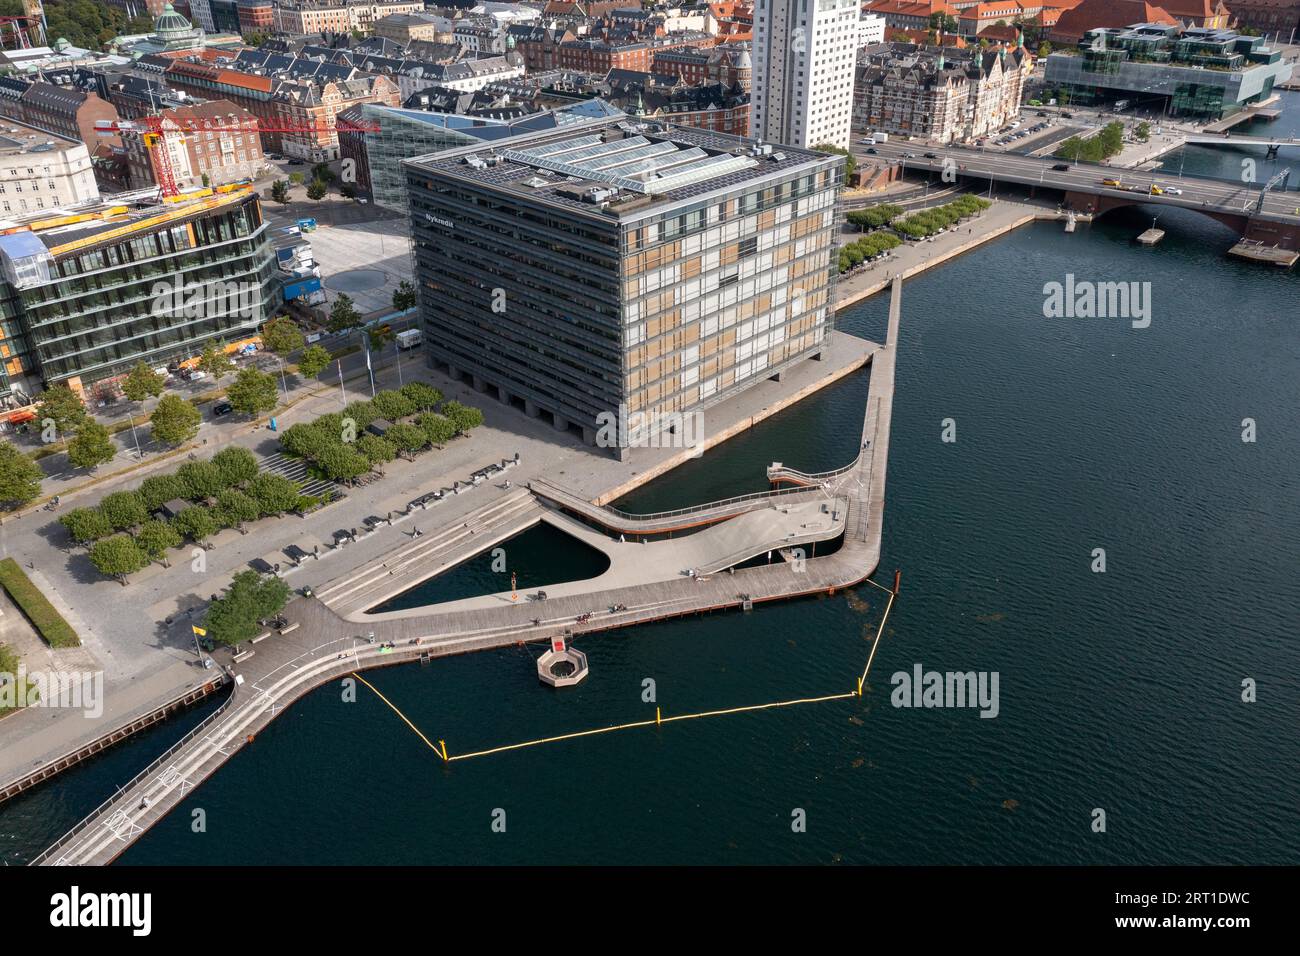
<point>897,575</point>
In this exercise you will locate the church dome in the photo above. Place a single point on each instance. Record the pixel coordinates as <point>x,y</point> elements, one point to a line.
<point>170,22</point>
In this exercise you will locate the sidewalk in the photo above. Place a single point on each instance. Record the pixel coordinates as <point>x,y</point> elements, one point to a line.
<point>914,258</point>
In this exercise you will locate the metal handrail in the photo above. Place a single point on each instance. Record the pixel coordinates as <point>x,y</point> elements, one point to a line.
<point>99,810</point>
<point>658,515</point>
<point>815,477</point>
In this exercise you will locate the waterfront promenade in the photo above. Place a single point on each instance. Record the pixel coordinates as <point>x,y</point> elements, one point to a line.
<point>325,647</point>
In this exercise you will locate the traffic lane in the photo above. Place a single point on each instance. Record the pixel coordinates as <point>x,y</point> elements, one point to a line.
<point>1036,172</point>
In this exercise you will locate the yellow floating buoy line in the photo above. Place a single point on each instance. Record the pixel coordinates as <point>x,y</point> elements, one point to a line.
<point>659,719</point>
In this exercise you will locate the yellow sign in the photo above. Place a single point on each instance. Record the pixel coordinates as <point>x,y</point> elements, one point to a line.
<point>201,632</point>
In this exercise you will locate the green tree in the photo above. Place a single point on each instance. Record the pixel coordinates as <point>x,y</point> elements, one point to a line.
<point>234,508</point>
<point>392,405</point>
<point>251,598</point>
<point>275,494</point>
<point>296,179</point>
<point>423,397</point>
<point>378,451</point>
<point>174,420</point>
<point>160,489</point>
<point>282,336</point>
<point>142,382</point>
<point>156,537</point>
<point>404,296</point>
<point>361,411</point>
<point>86,524</point>
<point>1142,131</point>
<point>1044,49</point>
<point>343,463</point>
<point>20,477</point>
<point>379,338</point>
<point>464,417</point>
<point>317,189</point>
<point>197,523</point>
<point>252,392</point>
<point>124,509</point>
<point>236,464</point>
<point>343,314</point>
<point>118,556</point>
<point>437,429</point>
<point>215,361</point>
<point>63,407</point>
<point>280,191</point>
<point>407,438</point>
<point>307,440</point>
<point>91,446</point>
<point>313,361</point>
<point>202,479</point>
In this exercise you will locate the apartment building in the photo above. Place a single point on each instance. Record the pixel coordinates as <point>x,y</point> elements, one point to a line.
<point>39,170</point>
<point>804,58</point>
<point>217,139</point>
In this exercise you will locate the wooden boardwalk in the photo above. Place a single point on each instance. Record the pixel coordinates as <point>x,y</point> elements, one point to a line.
<point>326,647</point>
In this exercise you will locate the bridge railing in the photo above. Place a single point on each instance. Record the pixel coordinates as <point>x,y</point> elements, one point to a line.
<point>719,505</point>
<point>95,814</point>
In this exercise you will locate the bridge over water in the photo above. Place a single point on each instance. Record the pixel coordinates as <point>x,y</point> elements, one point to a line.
<point>1270,217</point>
<point>325,646</point>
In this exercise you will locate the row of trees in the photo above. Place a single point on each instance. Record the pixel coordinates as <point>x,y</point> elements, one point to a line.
<point>929,221</point>
<point>124,533</point>
<point>1105,144</point>
<point>855,253</point>
<point>339,445</point>
<point>873,217</point>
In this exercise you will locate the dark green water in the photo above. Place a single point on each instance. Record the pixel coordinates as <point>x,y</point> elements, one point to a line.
<point>538,557</point>
<point>1118,691</point>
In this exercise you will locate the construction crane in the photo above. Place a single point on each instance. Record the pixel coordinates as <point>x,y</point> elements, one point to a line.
<point>17,29</point>
<point>154,130</point>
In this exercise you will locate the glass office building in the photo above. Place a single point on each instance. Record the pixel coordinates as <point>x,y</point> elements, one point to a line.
<point>87,295</point>
<point>615,265</point>
<point>385,136</point>
<point>1196,72</point>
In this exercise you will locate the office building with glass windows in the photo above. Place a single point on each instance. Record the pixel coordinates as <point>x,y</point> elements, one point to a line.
<point>618,268</point>
<point>88,291</point>
<point>1198,71</point>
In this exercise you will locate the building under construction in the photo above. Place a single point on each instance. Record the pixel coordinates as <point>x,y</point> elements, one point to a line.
<point>88,291</point>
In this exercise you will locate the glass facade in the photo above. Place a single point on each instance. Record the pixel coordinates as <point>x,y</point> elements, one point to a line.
<point>1197,72</point>
<point>153,295</point>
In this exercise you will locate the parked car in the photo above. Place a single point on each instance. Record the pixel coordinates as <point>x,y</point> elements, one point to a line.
<point>222,408</point>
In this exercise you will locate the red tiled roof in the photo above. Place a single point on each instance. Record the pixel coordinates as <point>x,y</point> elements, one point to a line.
<point>1093,14</point>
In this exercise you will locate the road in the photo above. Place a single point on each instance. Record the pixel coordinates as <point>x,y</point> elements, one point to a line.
<point>1032,171</point>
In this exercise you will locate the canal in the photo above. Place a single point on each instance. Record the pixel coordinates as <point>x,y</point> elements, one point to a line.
<point>1119,691</point>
